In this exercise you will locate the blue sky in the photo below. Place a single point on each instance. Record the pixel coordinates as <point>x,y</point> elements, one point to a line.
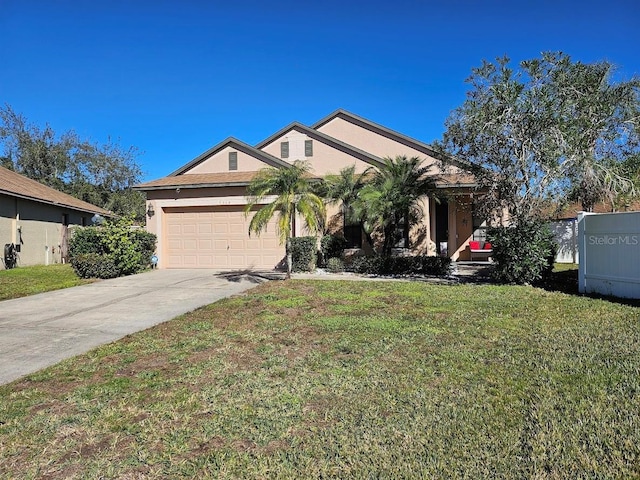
<point>173,78</point>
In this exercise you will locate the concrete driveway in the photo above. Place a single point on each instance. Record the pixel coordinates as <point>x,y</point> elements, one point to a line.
<point>40,330</point>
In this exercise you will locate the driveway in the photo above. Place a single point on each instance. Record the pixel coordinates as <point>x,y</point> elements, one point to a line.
<point>40,330</point>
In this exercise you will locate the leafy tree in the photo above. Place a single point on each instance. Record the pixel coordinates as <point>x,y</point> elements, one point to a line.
<point>389,202</point>
<point>99,174</point>
<point>551,128</point>
<point>599,130</point>
<point>293,192</point>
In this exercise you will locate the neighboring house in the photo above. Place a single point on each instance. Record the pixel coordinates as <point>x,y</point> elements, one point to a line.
<point>36,218</point>
<point>197,212</point>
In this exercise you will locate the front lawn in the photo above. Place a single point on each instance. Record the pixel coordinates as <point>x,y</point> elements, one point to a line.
<point>331,379</point>
<point>23,281</point>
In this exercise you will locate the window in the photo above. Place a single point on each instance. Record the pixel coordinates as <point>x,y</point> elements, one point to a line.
<point>308,148</point>
<point>233,160</point>
<point>284,149</point>
<point>479,226</point>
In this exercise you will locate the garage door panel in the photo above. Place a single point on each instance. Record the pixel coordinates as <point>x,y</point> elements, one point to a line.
<point>190,244</point>
<point>270,244</point>
<point>205,228</point>
<point>221,228</point>
<point>253,243</point>
<point>237,244</point>
<point>205,260</point>
<point>221,261</point>
<point>237,229</point>
<point>205,244</point>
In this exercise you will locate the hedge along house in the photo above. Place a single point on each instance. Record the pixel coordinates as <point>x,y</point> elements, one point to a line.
<point>197,212</point>
<point>36,219</point>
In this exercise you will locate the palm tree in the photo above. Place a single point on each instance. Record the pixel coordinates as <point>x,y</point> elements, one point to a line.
<point>292,189</point>
<point>391,198</point>
<point>343,189</point>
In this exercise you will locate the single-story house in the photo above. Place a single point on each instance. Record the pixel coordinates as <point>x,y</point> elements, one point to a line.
<point>36,219</point>
<point>197,212</point>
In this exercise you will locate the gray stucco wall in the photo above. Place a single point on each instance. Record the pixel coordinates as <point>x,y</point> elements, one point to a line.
<point>37,228</point>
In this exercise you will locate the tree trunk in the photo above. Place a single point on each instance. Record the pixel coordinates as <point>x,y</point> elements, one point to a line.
<point>388,240</point>
<point>289,257</point>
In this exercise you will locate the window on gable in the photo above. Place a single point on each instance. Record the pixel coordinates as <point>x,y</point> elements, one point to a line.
<point>308,148</point>
<point>284,149</point>
<point>233,160</point>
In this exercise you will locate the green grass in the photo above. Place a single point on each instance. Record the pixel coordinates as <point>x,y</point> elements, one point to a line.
<point>329,379</point>
<point>24,281</point>
<point>563,267</point>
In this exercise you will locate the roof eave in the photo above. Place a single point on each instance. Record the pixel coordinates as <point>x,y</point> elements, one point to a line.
<point>56,204</point>
<point>457,185</point>
<point>142,188</point>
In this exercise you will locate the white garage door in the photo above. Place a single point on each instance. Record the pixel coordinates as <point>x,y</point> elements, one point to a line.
<point>217,237</point>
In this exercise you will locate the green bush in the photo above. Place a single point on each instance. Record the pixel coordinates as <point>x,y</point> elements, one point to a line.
<point>435,265</point>
<point>335,265</point>
<point>94,265</point>
<point>304,254</point>
<point>116,243</point>
<point>522,253</point>
<point>332,246</point>
<point>85,240</point>
<point>409,265</point>
<point>146,244</point>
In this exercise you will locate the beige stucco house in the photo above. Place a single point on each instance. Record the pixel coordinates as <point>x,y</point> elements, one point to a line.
<point>197,211</point>
<point>36,219</point>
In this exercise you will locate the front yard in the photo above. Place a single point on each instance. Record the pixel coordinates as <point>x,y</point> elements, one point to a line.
<point>333,379</point>
<point>24,281</point>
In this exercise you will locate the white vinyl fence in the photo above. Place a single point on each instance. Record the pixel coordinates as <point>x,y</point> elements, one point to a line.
<point>565,233</point>
<point>609,246</point>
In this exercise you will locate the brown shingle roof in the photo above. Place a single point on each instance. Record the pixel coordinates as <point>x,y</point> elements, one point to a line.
<point>16,185</point>
<point>199,180</point>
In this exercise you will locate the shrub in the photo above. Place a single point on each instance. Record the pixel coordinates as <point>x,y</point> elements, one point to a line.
<point>85,240</point>
<point>522,253</point>
<point>438,266</point>
<point>304,254</point>
<point>335,265</point>
<point>94,265</point>
<point>409,265</point>
<point>332,246</point>
<point>128,251</point>
<point>367,265</point>
<point>146,244</point>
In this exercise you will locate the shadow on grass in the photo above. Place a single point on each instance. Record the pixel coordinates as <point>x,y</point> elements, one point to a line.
<point>567,282</point>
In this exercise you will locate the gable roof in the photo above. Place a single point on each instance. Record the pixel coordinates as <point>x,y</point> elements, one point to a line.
<point>16,185</point>
<point>238,145</point>
<point>321,137</point>
<point>392,134</point>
